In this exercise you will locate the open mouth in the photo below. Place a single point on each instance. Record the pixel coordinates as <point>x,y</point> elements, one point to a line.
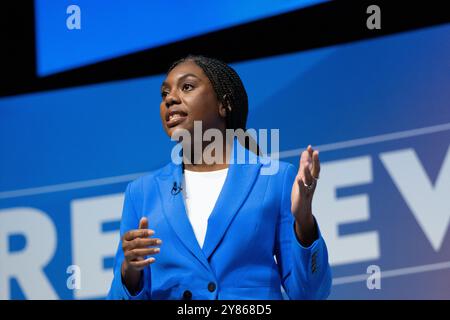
<point>175,118</point>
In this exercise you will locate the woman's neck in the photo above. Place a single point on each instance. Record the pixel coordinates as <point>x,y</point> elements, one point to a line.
<point>208,160</point>
<point>203,167</point>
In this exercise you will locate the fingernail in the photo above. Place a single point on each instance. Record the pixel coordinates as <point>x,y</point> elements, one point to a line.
<point>157,249</point>
<point>150,232</point>
<point>158,241</point>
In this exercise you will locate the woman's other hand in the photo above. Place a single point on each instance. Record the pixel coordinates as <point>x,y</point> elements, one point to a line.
<point>137,245</point>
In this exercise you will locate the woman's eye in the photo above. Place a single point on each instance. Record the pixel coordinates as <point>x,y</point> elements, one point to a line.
<point>188,87</point>
<point>164,94</point>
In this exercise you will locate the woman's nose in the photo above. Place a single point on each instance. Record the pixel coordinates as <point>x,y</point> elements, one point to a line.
<point>172,99</point>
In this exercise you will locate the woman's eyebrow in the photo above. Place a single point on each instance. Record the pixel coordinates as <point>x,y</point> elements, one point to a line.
<point>184,76</point>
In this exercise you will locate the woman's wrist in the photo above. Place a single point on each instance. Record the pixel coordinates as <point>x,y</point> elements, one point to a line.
<point>131,278</point>
<point>306,231</point>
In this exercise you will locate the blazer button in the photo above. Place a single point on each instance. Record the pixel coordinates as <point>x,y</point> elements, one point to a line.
<point>211,286</point>
<point>187,295</point>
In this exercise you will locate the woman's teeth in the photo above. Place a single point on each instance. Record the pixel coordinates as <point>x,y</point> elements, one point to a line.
<point>174,116</point>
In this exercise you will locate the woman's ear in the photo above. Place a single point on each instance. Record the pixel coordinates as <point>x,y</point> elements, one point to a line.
<point>224,106</point>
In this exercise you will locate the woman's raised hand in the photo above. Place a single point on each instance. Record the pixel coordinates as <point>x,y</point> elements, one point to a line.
<point>302,194</point>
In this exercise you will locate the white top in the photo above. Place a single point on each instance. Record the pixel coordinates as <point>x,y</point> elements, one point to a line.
<point>200,193</point>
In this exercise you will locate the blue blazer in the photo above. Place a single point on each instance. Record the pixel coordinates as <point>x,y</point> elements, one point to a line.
<point>250,224</point>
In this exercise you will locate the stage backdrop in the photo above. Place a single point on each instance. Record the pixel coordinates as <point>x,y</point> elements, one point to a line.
<point>378,111</point>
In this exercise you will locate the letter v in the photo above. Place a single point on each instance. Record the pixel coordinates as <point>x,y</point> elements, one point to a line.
<point>429,205</point>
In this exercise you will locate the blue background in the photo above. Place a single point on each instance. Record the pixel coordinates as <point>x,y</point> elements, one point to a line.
<point>335,94</point>
<point>107,26</point>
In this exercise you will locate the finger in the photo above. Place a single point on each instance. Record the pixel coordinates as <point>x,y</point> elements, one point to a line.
<point>316,165</point>
<point>303,159</point>
<point>138,253</point>
<point>307,177</point>
<point>307,159</point>
<point>145,252</point>
<point>143,223</point>
<point>310,155</point>
<point>310,150</point>
<point>303,164</point>
<point>302,182</point>
<point>142,243</point>
<point>141,233</point>
<point>142,263</point>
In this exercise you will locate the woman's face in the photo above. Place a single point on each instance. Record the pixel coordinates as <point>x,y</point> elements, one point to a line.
<point>188,96</point>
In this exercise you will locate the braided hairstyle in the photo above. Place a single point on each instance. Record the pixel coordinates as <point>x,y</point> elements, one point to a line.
<point>229,90</point>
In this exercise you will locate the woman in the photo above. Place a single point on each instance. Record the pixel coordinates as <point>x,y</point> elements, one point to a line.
<point>218,225</point>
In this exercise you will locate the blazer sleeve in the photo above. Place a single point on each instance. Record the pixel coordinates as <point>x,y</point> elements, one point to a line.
<point>129,221</point>
<point>305,271</point>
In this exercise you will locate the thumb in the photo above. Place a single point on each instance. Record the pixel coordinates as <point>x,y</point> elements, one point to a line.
<point>143,223</point>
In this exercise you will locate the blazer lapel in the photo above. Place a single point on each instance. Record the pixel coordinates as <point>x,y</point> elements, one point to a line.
<point>237,186</point>
<point>175,210</point>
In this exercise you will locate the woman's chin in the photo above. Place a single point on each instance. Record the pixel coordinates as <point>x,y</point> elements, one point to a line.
<point>178,132</point>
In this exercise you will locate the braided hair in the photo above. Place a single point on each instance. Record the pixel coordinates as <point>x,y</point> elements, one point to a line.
<point>229,91</point>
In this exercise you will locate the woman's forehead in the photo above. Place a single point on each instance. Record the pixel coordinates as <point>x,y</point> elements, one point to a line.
<point>188,66</point>
<point>185,69</point>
